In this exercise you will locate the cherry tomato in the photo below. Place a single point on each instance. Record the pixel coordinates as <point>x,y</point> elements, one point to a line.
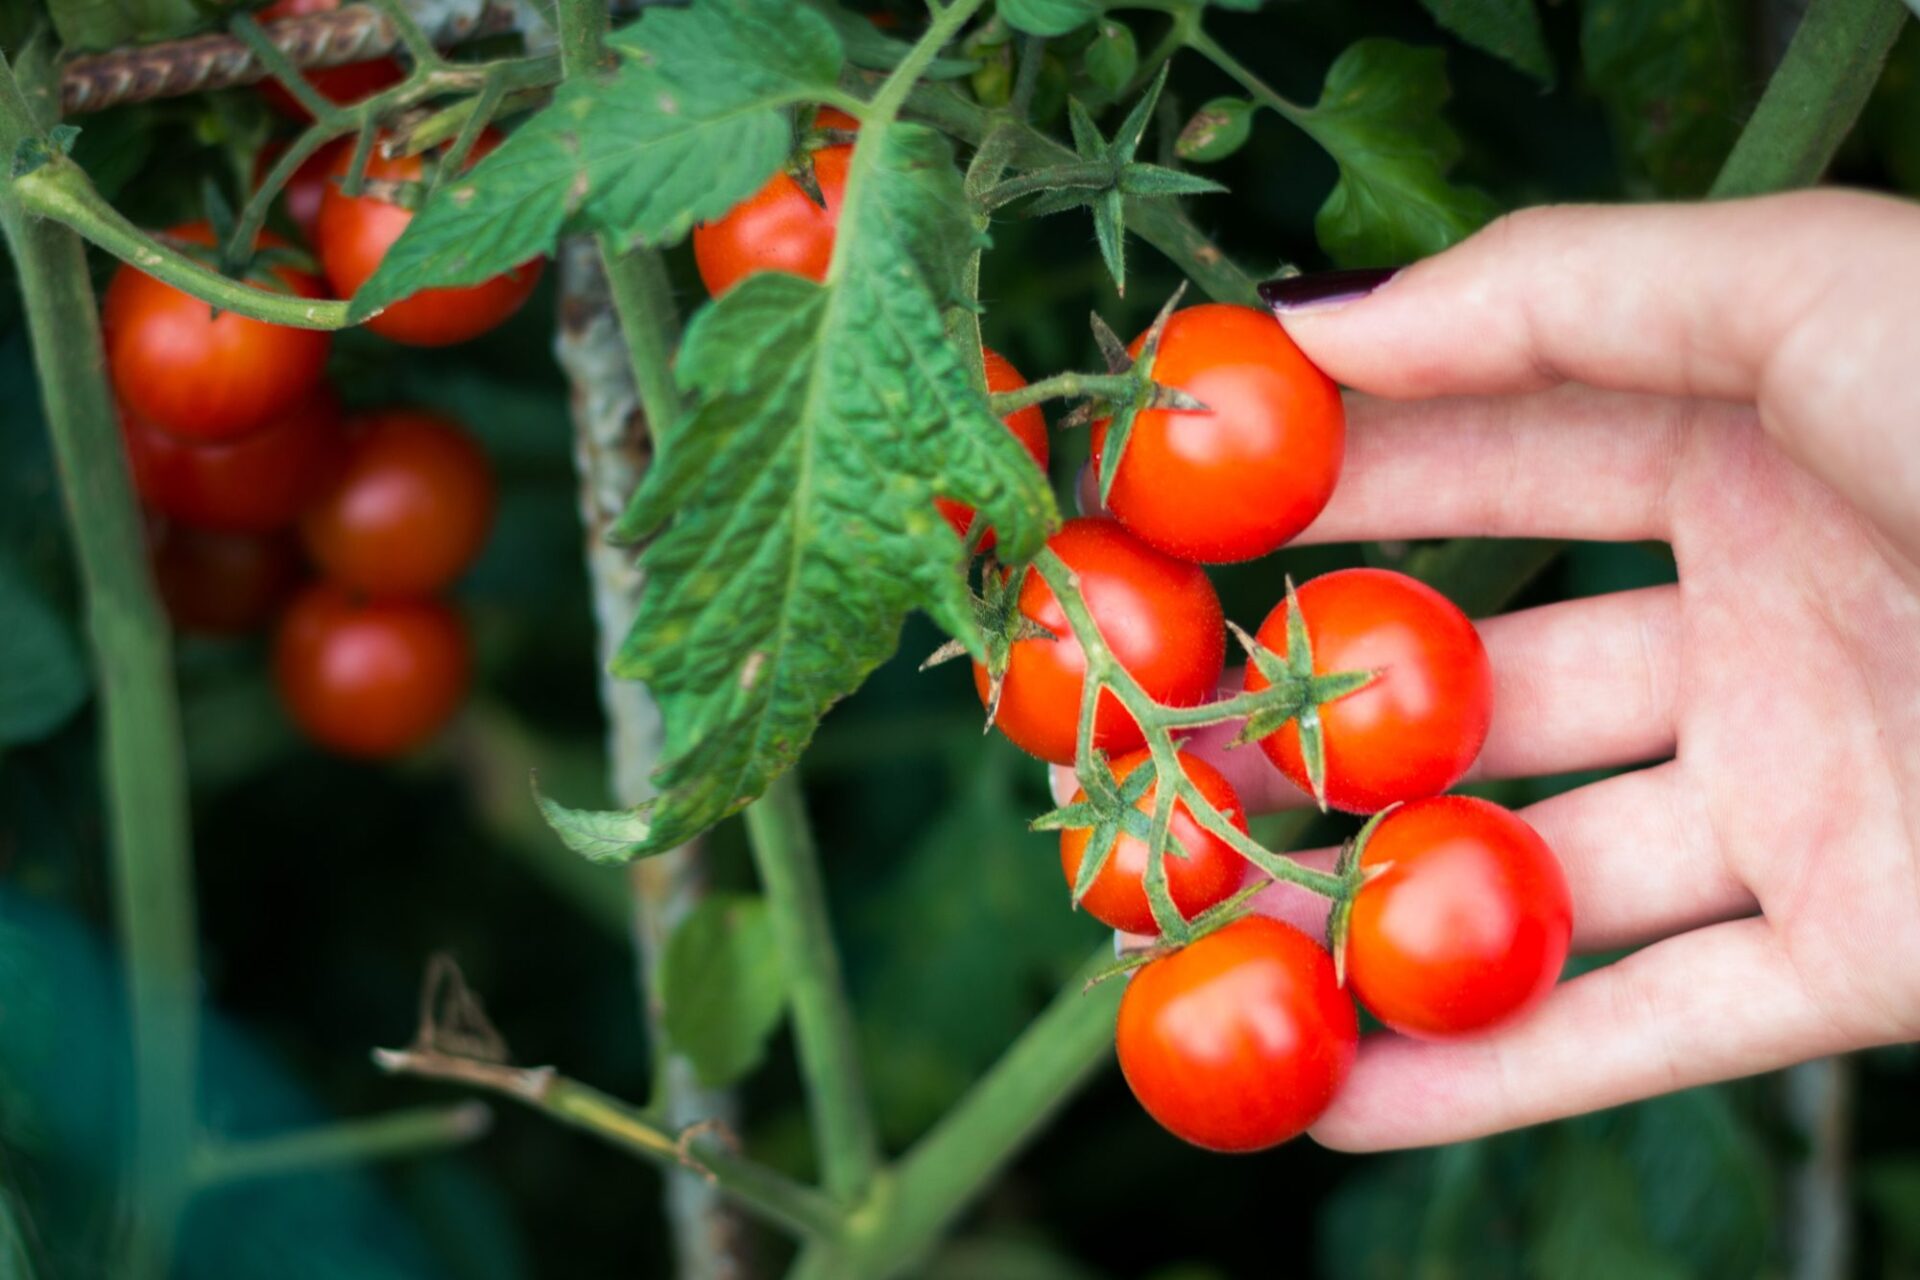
<point>1239,1041</point>
<point>303,191</point>
<point>1029,424</point>
<point>369,678</point>
<point>1466,923</point>
<point>779,227</point>
<point>1209,874</point>
<point>223,583</point>
<point>344,84</point>
<point>354,233</point>
<point>204,376</point>
<point>1412,732</point>
<point>408,511</point>
<point>1160,617</point>
<point>255,484</point>
<point>1239,479</point>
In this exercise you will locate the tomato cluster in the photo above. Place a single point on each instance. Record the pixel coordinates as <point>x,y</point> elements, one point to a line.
<point>256,481</point>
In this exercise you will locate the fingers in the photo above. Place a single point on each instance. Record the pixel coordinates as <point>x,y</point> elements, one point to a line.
<point>1710,1005</point>
<point>1567,463</point>
<point>1684,300</point>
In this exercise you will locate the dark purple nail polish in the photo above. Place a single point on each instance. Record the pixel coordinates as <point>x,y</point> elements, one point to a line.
<point>1292,295</point>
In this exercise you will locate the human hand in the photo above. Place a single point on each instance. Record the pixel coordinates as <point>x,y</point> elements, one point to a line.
<point>1736,380</point>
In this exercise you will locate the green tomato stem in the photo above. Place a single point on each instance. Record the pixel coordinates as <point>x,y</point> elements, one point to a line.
<point>396,1135</point>
<point>1065,386</point>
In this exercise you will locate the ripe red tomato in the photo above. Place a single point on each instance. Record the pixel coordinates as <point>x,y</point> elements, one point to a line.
<point>304,189</point>
<point>1209,874</point>
<point>344,84</point>
<point>1466,923</point>
<point>779,227</point>
<point>1029,424</point>
<point>1412,732</point>
<point>255,484</point>
<point>409,509</point>
<point>204,376</point>
<point>1239,1041</point>
<point>222,583</point>
<point>369,678</point>
<point>1240,479</point>
<point>1160,617</point>
<point>354,233</point>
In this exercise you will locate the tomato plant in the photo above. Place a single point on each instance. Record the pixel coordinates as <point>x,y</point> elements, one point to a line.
<point>1203,872</point>
<point>1419,725</point>
<point>1464,923</point>
<point>1029,424</point>
<point>304,190</point>
<point>223,584</point>
<point>1240,478</point>
<point>407,510</point>
<point>202,374</point>
<point>348,82</point>
<point>1239,1041</point>
<point>254,484</point>
<point>353,233</point>
<point>781,227</point>
<point>1159,614</point>
<point>369,678</point>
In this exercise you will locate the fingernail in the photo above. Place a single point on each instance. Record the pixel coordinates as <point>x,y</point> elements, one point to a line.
<point>1323,290</point>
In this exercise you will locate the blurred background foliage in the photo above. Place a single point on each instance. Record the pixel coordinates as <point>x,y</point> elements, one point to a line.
<point>325,885</point>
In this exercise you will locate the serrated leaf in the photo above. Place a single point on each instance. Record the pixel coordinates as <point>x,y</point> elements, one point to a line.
<point>797,491</point>
<point>1673,76</point>
<point>1112,58</point>
<point>43,679</point>
<point>1508,29</point>
<point>1048,17</point>
<point>690,124</point>
<point>723,987</point>
<point>1379,118</point>
<point>598,835</point>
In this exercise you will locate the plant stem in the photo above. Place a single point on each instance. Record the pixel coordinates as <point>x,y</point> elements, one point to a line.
<point>144,775</point>
<point>987,1128</point>
<point>643,299</point>
<point>773,1196</point>
<point>1814,97</point>
<point>1091,174</point>
<point>348,1142</point>
<point>789,868</point>
<point>583,36</point>
<point>1065,386</point>
<point>611,453</point>
<point>1203,44</point>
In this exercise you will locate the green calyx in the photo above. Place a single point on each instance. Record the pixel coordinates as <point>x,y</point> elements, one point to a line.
<point>1109,809</point>
<point>1295,693</point>
<point>997,611</point>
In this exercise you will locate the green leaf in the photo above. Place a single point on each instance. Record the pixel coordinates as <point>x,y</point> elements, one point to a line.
<point>1673,74</point>
<point>869,47</point>
<point>1507,29</point>
<point>799,488</point>
<point>598,835</point>
<point>43,679</point>
<point>1379,117</point>
<point>723,987</point>
<point>1048,17</point>
<point>690,124</point>
<point>103,24</point>
<point>1112,58</point>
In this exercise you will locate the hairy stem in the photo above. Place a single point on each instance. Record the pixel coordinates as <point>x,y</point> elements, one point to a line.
<point>1815,95</point>
<point>789,867</point>
<point>1065,386</point>
<point>143,771</point>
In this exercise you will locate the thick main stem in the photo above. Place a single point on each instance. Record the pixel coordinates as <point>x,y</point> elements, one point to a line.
<point>143,771</point>
<point>823,1026</point>
<point>610,450</point>
<point>1814,97</point>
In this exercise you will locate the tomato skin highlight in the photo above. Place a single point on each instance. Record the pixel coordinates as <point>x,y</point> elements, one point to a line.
<point>353,233</point>
<point>407,511</point>
<point>1239,1041</point>
<point>222,584</point>
<point>1028,424</point>
<point>778,228</point>
<point>1466,924</point>
<point>1159,615</point>
<point>1242,478</point>
<point>1420,725</point>
<point>201,376</point>
<point>372,679</point>
<point>1211,872</point>
<point>255,484</point>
